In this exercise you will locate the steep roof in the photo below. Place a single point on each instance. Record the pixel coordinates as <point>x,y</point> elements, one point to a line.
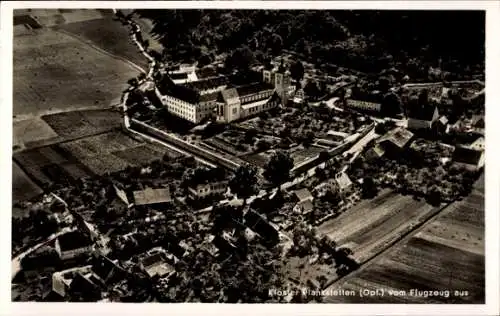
<point>103,267</point>
<point>257,223</point>
<point>343,181</point>
<point>398,136</point>
<point>361,103</point>
<point>152,196</point>
<point>208,83</point>
<point>81,284</point>
<point>253,88</point>
<point>478,121</point>
<point>230,94</point>
<point>306,206</point>
<point>213,96</point>
<point>443,120</point>
<point>178,75</point>
<point>423,113</point>
<point>73,240</point>
<point>152,260</point>
<point>467,155</point>
<point>183,93</point>
<point>303,194</point>
<point>121,195</point>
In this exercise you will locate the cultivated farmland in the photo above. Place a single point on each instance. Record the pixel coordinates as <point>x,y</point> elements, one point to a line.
<point>77,124</point>
<point>22,186</point>
<point>93,155</point>
<point>31,131</point>
<point>372,225</point>
<point>445,254</point>
<point>55,71</point>
<point>109,35</point>
<point>52,17</point>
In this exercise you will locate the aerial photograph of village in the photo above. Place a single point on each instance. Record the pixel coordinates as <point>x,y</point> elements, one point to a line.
<point>248,156</point>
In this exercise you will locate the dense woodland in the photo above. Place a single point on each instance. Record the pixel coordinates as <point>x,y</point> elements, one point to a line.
<point>368,41</point>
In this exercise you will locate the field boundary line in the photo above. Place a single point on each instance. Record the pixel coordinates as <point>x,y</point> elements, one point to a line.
<point>25,117</point>
<point>71,139</point>
<point>99,49</point>
<point>391,244</point>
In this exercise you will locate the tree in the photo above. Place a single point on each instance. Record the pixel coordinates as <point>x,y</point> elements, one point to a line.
<point>133,82</point>
<point>308,139</point>
<point>423,97</point>
<point>240,59</point>
<point>141,76</point>
<point>380,129</point>
<point>391,104</point>
<point>204,60</point>
<point>297,71</point>
<point>368,188</point>
<point>244,182</point>
<point>434,196</point>
<point>277,170</point>
<point>311,89</point>
<point>263,145</point>
<point>249,136</point>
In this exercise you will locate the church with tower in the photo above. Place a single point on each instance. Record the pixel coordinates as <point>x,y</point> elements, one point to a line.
<point>225,101</point>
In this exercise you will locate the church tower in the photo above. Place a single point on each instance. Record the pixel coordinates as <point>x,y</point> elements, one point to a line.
<point>282,83</point>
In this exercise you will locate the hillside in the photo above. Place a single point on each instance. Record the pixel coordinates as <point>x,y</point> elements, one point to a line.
<point>369,41</point>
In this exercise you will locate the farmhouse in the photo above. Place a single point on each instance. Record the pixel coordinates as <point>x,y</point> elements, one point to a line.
<point>468,158</point>
<point>225,101</point>
<point>257,223</point>
<point>363,105</point>
<point>62,280</point>
<point>209,247</point>
<point>106,269</point>
<point>477,124</point>
<point>393,141</point>
<point>304,199</point>
<point>204,189</point>
<point>74,244</point>
<point>84,287</point>
<point>303,195</point>
<point>344,183</point>
<point>442,124</point>
<point>156,265</point>
<point>375,152</point>
<point>151,196</point>
<point>422,117</point>
<point>478,144</point>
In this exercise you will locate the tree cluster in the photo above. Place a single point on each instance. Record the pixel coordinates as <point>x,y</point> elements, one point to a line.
<point>369,41</point>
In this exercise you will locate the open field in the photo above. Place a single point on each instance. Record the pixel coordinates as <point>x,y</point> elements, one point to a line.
<point>109,35</point>
<point>78,124</point>
<point>54,71</point>
<point>59,127</point>
<point>370,226</point>
<point>445,254</point>
<point>29,131</point>
<point>52,17</point>
<point>22,186</point>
